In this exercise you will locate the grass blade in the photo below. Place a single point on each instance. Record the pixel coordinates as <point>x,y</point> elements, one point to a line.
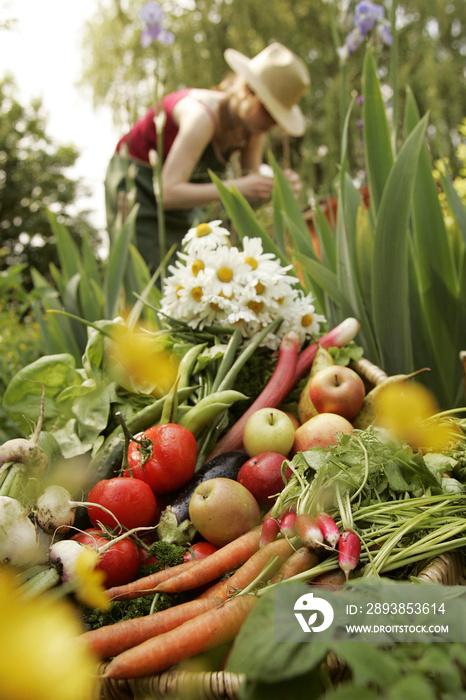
<point>390,289</point>
<point>377,141</point>
<point>244,220</point>
<point>117,263</point>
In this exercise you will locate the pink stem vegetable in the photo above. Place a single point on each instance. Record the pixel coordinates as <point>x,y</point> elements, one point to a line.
<point>338,337</point>
<point>328,528</point>
<point>308,531</point>
<point>349,549</point>
<point>271,396</point>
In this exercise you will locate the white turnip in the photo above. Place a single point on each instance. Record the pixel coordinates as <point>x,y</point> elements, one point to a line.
<point>55,510</point>
<point>19,543</point>
<point>66,553</point>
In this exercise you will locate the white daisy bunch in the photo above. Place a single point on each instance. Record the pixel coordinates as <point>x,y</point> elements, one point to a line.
<point>214,283</point>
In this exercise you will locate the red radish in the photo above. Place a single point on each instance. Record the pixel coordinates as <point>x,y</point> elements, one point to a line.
<point>288,524</point>
<point>131,501</point>
<point>338,337</point>
<point>269,532</point>
<point>118,559</point>
<point>329,528</point>
<point>349,549</point>
<point>200,550</point>
<point>308,531</point>
<point>271,396</point>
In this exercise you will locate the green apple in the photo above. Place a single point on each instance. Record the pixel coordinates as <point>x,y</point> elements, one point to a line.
<point>268,430</point>
<point>222,509</point>
<point>320,431</point>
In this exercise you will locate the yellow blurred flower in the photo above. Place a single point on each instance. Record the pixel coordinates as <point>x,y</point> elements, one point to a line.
<point>409,410</point>
<point>140,361</point>
<point>41,655</point>
<point>89,582</point>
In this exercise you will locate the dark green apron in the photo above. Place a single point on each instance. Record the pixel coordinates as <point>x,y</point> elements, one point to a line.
<point>177,221</point>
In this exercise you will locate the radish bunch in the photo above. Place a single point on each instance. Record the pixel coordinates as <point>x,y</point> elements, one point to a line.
<point>320,532</point>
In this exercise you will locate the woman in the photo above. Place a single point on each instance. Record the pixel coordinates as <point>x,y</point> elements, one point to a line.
<point>202,130</point>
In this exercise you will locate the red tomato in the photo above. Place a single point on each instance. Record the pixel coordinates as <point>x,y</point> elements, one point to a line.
<point>200,550</point>
<point>171,460</point>
<point>143,555</point>
<point>120,562</point>
<point>131,501</point>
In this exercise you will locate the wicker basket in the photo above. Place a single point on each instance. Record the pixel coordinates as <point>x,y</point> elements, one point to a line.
<point>447,569</point>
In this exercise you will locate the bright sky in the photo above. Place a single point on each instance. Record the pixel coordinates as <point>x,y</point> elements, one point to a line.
<point>43,54</point>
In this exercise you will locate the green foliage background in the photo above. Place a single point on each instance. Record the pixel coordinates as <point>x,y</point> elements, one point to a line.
<point>33,178</point>
<point>431,46</point>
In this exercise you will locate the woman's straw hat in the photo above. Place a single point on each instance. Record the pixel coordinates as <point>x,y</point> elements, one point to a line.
<point>279,78</point>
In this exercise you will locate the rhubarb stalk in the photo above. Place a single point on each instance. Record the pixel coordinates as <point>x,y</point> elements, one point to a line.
<point>271,396</point>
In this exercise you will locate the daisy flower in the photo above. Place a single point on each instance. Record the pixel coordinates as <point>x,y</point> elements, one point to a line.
<point>192,297</point>
<point>209,235</point>
<point>258,261</point>
<point>214,283</point>
<point>228,271</point>
<point>300,315</point>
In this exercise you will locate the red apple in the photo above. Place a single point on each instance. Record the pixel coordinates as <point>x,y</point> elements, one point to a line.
<point>320,431</point>
<point>293,419</point>
<point>268,430</point>
<point>223,509</point>
<point>262,476</point>
<point>337,389</point>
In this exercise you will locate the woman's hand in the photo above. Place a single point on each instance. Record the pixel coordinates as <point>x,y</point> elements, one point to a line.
<point>294,181</point>
<point>254,186</point>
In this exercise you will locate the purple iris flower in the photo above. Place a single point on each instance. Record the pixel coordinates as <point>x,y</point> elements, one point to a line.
<point>151,13</point>
<point>366,15</point>
<point>354,39</point>
<point>152,16</point>
<point>385,34</point>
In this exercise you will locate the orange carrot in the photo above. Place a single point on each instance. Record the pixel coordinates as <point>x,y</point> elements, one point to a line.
<point>111,640</point>
<point>215,565</point>
<point>301,560</point>
<point>206,631</point>
<point>216,590</point>
<point>251,569</point>
<point>146,584</point>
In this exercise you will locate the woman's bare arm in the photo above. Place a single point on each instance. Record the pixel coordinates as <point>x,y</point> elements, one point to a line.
<point>196,130</point>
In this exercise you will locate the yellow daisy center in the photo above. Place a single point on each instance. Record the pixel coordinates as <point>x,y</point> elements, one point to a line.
<point>215,306</point>
<point>196,267</point>
<point>256,306</point>
<point>252,262</point>
<point>225,274</point>
<point>260,289</point>
<point>196,293</point>
<point>226,297</point>
<point>306,320</point>
<point>178,290</point>
<point>203,230</point>
<point>280,300</point>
